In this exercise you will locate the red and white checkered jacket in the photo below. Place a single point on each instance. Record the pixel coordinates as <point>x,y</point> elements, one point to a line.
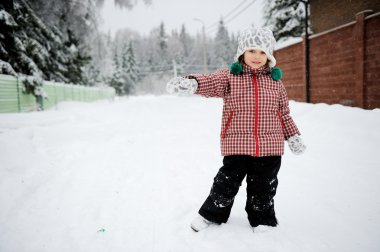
<point>256,118</point>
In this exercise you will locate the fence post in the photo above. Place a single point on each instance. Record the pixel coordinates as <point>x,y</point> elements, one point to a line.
<point>72,92</point>
<point>55,95</point>
<point>18,94</point>
<point>359,47</point>
<point>306,41</point>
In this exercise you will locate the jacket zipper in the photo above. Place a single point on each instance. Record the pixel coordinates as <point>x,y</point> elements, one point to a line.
<point>227,124</point>
<point>256,130</point>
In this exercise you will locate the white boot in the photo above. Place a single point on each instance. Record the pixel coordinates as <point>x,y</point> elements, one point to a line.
<point>200,223</point>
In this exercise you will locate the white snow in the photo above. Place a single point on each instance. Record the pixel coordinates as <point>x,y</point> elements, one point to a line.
<point>131,175</point>
<point>6,68</point>
<point>287,42</point>
<point>9,21</point>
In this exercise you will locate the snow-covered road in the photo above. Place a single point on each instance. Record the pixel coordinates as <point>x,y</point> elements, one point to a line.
<point>130,176</point>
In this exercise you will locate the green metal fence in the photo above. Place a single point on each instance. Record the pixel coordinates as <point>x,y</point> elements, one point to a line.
<point>13,99</point>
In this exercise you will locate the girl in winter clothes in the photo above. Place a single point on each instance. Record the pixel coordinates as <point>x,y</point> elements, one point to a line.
<point>255,123</point>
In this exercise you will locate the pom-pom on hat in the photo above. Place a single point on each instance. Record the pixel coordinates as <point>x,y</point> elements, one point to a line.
<point>257,38</point>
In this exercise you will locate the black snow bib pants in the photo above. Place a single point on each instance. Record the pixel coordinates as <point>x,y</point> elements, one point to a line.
<point>262,183</point>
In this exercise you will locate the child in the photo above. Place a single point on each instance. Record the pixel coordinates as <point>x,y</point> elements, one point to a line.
<point>255,123</point>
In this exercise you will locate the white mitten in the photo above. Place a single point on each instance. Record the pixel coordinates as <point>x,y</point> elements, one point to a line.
<point>296,145</point>
<point>181,85</point>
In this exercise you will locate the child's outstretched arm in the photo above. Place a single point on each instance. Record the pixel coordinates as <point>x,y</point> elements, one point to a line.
<point>210,85</point>
<point>213,85</point>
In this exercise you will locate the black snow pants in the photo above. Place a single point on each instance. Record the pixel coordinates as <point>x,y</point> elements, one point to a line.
<point>261,188</point>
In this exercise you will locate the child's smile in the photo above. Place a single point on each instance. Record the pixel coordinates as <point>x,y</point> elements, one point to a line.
<point>255,58</point>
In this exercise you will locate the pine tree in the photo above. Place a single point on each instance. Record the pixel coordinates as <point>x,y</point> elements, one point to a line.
<point>77,23</point>
<point>127,3</point>
<point>178,46</point>
<point>129,68</point>
<point>151,66</point>
<point>7,47</point>
<point>285,18</point>
<point>92,74</point>
<point>31,47</point>
<point>17,48</point>
<point>163,44</point>
<point>185,41</point>
<point>222,51</point>
<point>78,19</point>
<point>76,62</point>
<point>116,81</point>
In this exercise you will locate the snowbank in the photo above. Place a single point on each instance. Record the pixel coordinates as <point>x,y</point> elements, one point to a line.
<point>131,175</point>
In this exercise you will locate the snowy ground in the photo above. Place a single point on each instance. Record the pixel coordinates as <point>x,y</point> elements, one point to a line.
<point>130,176</point>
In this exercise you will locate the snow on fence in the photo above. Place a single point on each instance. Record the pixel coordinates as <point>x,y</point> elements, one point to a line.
<point>13,97</point>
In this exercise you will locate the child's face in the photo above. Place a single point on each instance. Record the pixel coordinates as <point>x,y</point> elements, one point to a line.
<point>255,58</point>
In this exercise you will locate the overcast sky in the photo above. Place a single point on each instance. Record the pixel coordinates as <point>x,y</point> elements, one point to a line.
<point>240,15</point>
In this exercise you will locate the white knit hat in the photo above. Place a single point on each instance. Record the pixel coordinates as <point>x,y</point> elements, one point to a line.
<point>257,38</point>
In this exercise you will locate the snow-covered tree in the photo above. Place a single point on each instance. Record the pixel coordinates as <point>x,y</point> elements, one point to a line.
<point>116,81</point>
<point>129,68</point>
<point>124,3</point>
<point>76,62</point>
<point>163,43</point>
<point>100,67</point>
<point>92,75</point>
<point>176,52</point>
<point>185,40</point>
<point>78,22</point>
<point>286,18</point>
<point>7,26</point>
<point>222,55</point>
<point>182,45</point>
<point>28,45</point>
<point>149,63</point>
<point>31,47</point>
